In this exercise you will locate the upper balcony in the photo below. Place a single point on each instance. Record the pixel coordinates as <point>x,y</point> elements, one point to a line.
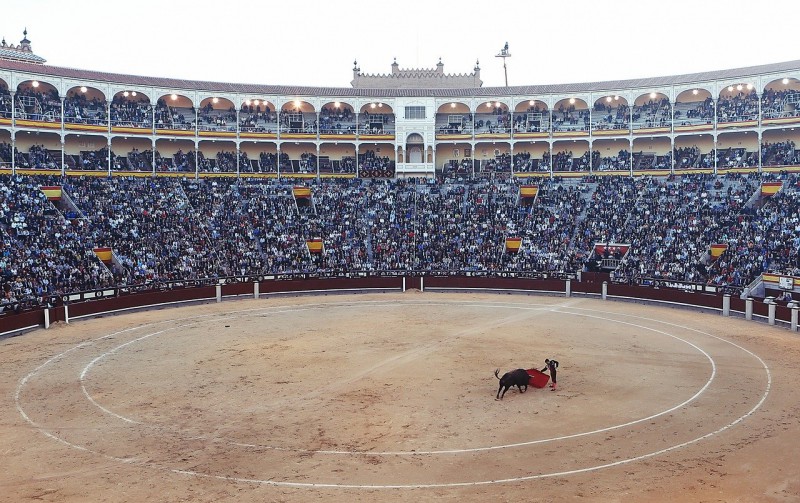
<point>54,98</point>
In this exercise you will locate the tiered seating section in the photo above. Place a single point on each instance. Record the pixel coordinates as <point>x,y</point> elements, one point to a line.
<point>163,229</point>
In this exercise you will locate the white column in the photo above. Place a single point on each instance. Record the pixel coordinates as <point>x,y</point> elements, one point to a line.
<point>13,109</point>
<point>153,155</point>
<point>63,168</point>
<point>795,309</point>
<point>760,139</point>
<point>605,290</point>
<point>715,145</point>
<point>748,312</point>
<point>238,167</point>
<point>759,132</point>
<point>771,310</point>
<point>47,318</point>
<point>726,305</point>
<point>630,153</point>
<point>63,164</point>
<point>569,288</point>
<point>256,291</point>
<point>672,153</point>
<point>219,292</point>
<point>13,149</point>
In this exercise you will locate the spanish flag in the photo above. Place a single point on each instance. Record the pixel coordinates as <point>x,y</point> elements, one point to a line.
<point>528,191</point>
<point>301,192</point>
<point>770,188</point>
<point>104,254</point>
<point>52,192</point>
<point>314,245</point>
<point>717,250</point>
<point>513,244</point>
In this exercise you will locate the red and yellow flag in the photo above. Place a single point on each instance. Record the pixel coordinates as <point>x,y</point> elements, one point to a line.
<point>528,190</point>
<point>315,245</point>
<point>301,192</point>
<point>52,192</point>
<point>770,188</point>
<point>104,254</point>
<point>513,245</point>
<point>718,249</point>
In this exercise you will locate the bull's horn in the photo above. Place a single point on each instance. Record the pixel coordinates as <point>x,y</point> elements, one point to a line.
<point>497,371</point>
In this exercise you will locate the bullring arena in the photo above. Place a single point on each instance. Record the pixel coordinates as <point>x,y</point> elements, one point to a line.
<point>214,291</point>
<point>390,397</point>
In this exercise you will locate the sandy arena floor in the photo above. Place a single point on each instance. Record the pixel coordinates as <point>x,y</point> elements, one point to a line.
<point>390,397</point>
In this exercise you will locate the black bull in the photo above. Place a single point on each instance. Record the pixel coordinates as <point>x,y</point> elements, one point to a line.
<point>518,378</point>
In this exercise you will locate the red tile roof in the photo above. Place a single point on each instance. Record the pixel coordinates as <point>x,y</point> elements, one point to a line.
<point>736,75</point>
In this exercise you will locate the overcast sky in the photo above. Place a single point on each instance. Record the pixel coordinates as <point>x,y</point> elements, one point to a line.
<point>315,43</point>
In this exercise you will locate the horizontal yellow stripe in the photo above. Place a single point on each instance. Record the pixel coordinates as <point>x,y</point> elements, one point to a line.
<point>266,136</point>
<point>219,134</point>
<point>175,132</point>
<point>131,130</point>
<point>42,124</point>
<point>649,130</point>
<point>86,127</point>
<point>531,135</point>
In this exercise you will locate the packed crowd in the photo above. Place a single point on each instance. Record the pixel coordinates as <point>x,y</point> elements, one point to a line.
<point>782,153</point>
<point>79,110</point>
<point>739,107</point>
<point>371,165</point>
<point>781,103</point>
<point>164,229</point>
<point>337,120</point>
<point>43,253</point>
<point>38,106</point>
<point>736,105</point>
<point>131,113</point>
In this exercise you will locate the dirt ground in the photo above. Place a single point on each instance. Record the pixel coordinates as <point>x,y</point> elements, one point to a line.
<point>391,397</point>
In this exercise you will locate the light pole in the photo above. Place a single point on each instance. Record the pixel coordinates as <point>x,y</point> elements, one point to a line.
<point>504,54</point>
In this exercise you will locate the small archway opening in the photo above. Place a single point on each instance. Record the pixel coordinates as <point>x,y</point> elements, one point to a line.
<point>415,148</point>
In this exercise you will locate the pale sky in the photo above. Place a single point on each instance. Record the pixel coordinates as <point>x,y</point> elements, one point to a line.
<point>314,43</point>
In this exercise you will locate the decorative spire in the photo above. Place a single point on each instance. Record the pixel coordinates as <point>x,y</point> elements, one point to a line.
<point>355,66</point>
<point>477,65</point>
<point>22,52</point>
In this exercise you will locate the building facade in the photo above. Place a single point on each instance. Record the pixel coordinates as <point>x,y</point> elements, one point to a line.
<point>55,119</point>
